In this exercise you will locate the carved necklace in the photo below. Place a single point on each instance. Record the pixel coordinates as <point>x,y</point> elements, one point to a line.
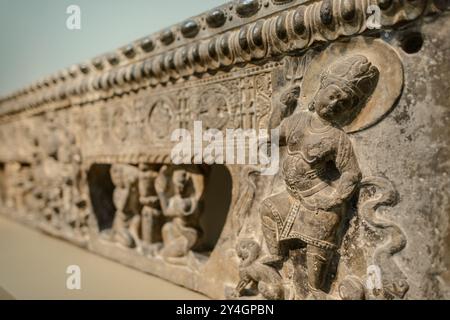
<point>322,129</point>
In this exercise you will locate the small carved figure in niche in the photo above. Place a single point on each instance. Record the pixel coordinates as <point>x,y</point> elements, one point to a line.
<point>253,272</point>
<point>181,211</point>
<point>151,209</point>
<point>320,169</point>
<point>126,225</point>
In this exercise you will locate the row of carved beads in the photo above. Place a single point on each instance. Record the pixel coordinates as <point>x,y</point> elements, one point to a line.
<point>292,30</point>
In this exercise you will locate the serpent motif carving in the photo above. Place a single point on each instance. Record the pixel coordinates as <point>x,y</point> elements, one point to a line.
<point>394,281</point>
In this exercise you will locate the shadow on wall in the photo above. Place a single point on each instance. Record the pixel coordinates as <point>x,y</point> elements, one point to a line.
<point>217,203</point>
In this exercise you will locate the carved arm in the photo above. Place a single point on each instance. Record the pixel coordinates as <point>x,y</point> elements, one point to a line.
<point>350,174</point>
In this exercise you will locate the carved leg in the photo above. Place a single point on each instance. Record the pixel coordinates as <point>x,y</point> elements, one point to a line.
<point>178,240</point>
<point>147,226</point>
<point>271,291</point>
<point>151,226</point>
<point>169,240</point>
<point>134,228</point>
<point>270,232</point>
<point>317,262</point>
<point>121,232</point>
<point>190,237</point>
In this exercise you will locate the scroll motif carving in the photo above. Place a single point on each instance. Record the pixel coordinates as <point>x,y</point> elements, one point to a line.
<point>385,279</point>
<point>393,279</point>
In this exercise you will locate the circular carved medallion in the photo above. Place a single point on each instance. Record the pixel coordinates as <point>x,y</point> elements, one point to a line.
<point>119,123</point>
<point>160,119</point>
<point>388,88</point>
<point>213,108</point>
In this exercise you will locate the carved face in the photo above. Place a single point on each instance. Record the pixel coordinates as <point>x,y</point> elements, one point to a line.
<point>332,103</point>
<point>344,88</point>
<point>248,250</point>
<point>180,180</point>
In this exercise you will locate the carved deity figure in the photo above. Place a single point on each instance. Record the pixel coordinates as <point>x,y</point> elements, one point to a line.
<point>320,169</point>
<point>126,225</point>
<point>151,210</point>
<point>181,229</point>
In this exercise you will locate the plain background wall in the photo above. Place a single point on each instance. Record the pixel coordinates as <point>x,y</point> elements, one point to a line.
<point>35,42</point>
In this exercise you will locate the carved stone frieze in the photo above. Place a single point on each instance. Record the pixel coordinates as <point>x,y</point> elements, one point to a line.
<point>357,206</point>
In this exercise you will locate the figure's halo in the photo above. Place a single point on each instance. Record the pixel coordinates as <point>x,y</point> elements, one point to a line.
<point>387,91</point>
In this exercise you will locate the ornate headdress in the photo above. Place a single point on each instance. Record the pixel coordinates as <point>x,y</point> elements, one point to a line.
<point>354,74</point>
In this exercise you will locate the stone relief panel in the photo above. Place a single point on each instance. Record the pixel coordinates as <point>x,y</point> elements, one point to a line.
<point>290,239</point>
<point>213,108</point>
<point>304,224</point>
<point>89,159</point>
<point>48,187</point>
<point>157,210</point>
<point>159,119</point>
<point>240,100</point>
<point>164,215</point>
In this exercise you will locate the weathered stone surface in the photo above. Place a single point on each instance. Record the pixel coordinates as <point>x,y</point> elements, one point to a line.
<point>360,205</point>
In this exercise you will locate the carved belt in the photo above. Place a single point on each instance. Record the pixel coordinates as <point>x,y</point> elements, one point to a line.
<point>286,227</point>
<point>307,193</point>
<point>292,215</point>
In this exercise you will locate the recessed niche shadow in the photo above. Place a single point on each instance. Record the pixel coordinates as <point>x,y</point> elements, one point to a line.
<point>101,193</point>
<point>217,201</point>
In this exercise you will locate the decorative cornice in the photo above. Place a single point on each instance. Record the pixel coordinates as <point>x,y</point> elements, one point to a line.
<point>208,43</point>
